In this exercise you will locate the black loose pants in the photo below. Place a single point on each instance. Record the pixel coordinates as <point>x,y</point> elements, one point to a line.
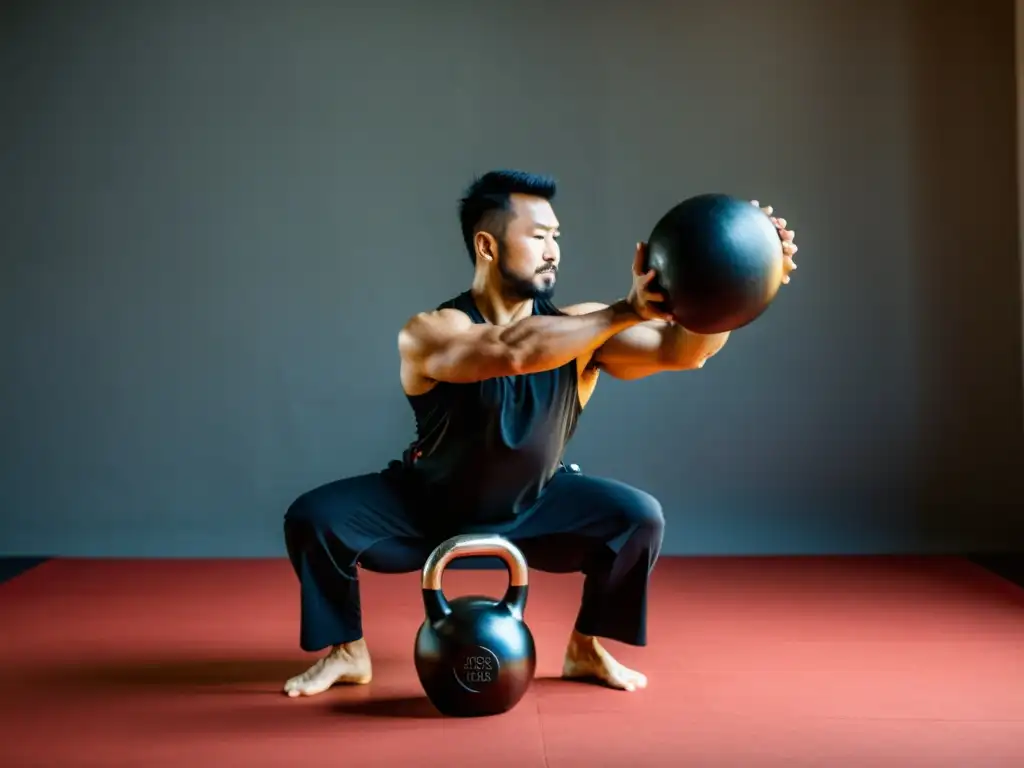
<point>605,529</point>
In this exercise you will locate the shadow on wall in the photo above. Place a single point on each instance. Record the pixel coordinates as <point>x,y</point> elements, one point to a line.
<point>968,330</point>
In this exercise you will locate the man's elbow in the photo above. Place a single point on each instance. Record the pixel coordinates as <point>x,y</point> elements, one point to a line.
<point>496,359</point>
<point>515,353</point>
<point>518,359</point>
<point>687,363</point>
<point>682,364</point>
<point>524,358</point>
<point>686,359</point>
<point>692,357</point>
<point>696,362</point>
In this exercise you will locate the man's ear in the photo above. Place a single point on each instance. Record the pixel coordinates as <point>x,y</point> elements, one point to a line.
<point>486,246</point>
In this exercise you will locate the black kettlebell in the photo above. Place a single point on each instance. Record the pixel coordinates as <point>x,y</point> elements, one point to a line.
<point>475,655</point>
<point>718,261</point>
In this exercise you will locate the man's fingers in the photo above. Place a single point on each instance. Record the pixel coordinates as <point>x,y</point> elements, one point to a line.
<point>646,277</point>
<point>639,257</point>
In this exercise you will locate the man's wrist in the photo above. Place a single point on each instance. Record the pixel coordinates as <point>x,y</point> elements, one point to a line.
<point>624,313</point>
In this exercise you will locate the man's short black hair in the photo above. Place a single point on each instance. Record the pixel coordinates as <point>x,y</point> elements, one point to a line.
<point>487,201</point>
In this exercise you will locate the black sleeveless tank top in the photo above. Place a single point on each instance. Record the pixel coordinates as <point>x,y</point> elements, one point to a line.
<point>485,450</point>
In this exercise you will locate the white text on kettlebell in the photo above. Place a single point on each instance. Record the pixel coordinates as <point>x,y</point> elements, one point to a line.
<point>478,669</point>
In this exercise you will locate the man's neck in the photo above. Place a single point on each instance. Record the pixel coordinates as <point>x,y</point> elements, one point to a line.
<point>498,308</point>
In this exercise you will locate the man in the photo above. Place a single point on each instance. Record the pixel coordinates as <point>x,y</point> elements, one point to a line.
<point>497,378</point>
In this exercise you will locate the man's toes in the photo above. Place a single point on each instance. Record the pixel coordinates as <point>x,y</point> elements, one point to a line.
<point>302,686</point>
<point>629,680</point>
<point>618,678</point>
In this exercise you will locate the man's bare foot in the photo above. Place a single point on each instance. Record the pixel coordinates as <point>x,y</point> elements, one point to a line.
<point>585,658</point>
<point>348,663</point>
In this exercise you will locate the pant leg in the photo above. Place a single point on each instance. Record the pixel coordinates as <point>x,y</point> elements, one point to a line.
<point>609,531</point>
<point>367,520</point>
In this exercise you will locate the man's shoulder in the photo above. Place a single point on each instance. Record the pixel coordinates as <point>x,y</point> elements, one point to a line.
<point>439,319</point>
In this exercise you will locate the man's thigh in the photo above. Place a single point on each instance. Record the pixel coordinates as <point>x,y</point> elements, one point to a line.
<point>372,518</point>
<point>580,517</point>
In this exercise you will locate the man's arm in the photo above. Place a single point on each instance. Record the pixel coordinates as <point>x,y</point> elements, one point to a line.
<point>447,346</point>
<point>652,347</point>
<point>655,346</point>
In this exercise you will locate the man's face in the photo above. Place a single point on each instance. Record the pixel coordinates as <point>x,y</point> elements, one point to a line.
<point>528,254</point>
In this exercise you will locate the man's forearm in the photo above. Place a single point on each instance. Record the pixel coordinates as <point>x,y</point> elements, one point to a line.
<point>653,347</point>
<point>544,342</point>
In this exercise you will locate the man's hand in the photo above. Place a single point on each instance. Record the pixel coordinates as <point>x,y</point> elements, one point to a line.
<point>648,305</point>
<point>786,235</point>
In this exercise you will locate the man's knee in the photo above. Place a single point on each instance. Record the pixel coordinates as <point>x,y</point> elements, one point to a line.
<point>304,522</point>
<point>314,508</point>
<point>646,516</point>
<point>638,516</point>
<point>299,511</point>
<point>309,528</point>
<point>299,530</point>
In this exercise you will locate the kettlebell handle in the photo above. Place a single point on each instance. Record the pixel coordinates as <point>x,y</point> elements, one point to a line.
<point>475,545</point>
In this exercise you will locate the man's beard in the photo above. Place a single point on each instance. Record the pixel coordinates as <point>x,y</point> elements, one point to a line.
<point>524,289</point>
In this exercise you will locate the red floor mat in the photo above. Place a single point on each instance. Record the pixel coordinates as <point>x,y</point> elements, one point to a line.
<point>865,663</point>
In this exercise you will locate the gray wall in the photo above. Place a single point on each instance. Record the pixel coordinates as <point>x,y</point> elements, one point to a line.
<point>217,215</point>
